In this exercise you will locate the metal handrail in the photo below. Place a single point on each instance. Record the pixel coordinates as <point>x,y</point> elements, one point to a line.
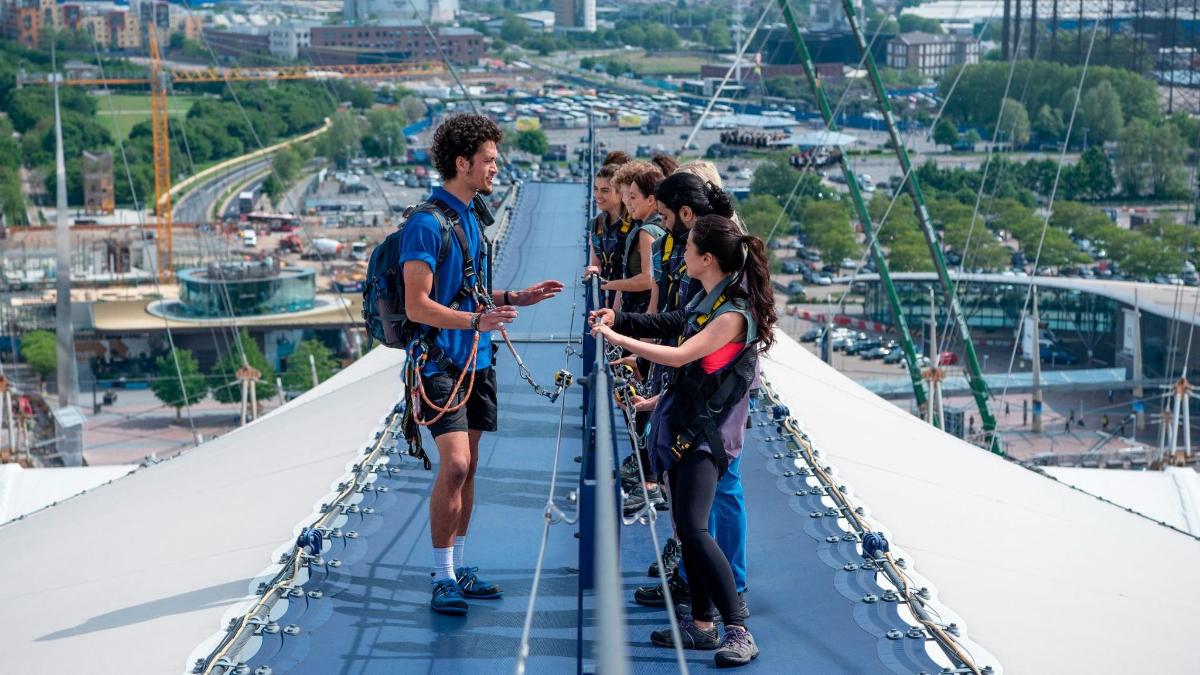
<point>611,651</point>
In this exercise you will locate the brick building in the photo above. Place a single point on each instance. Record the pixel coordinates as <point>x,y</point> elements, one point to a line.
<point>931,55</point>
<point>398,42</point>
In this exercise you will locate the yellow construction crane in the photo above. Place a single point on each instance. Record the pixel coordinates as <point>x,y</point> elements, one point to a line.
<point>160,82</point>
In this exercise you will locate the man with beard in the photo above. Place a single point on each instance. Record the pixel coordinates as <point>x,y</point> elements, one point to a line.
<point>449,299</point>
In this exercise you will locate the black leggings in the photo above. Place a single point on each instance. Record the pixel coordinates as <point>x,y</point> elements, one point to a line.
<point>710,579</point>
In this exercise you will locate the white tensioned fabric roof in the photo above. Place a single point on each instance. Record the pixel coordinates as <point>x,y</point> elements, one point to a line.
<point>1047,578</point>
<point>131,576</point>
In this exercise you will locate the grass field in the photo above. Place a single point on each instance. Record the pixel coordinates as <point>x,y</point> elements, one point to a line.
<point>132,108</point>
<point>645,64</point>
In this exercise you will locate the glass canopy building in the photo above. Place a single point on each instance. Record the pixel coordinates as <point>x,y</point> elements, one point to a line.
<point>245,289</point>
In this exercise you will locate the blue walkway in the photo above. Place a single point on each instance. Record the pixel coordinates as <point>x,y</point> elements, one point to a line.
<point>370,613</point>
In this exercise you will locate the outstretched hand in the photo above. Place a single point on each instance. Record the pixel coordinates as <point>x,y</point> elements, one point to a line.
<point>543,290</point>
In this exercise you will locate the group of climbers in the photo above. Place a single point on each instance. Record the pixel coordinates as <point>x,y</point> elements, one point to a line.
<point>690,305</point>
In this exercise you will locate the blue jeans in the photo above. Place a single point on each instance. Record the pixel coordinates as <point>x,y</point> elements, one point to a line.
<point>727,523</point>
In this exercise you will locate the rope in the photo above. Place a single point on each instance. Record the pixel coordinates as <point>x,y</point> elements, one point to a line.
<point>551,514</point>
<point>414,367</point>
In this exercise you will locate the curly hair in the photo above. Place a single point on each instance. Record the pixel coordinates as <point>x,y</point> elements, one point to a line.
<point>626,172</point>
<point>461,136</point>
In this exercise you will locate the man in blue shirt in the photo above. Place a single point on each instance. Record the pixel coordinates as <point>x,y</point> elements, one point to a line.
<point>464,151</point>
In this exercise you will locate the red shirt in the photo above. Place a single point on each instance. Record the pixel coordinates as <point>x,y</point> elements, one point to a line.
<point>722,357</point>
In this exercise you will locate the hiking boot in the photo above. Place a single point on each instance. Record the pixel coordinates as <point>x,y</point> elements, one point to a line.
<point>737,648</point>
<point>652,596</point>
<point>637,499</point>
<point>475,588</point>
<point>629,467</point>
<point>670,557</point>
<point>690,636</point>
<point>447,598</point>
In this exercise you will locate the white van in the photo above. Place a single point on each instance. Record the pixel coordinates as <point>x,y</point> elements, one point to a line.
<point>249,238</point>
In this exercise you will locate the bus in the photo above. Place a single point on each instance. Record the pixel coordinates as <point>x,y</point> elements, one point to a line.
<point>246,201</point>
<point>275,222</point>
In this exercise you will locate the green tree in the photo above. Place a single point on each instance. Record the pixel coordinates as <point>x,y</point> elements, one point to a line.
<point>911,23</point>
<point>176,41</point>
<point>972,136</point>
<point>716,36</point>
<point>533,141</point>
<point>829,228</point>
<point>167,385</point>
<point>1100,114</point>
<point>945,133</point>
<point>274,189</point>
<point>286,163</point>
<point>226,387</point>
<point>1014,123</point>
<point>760,213</point>
<point>1048,123</point>
<point>360,97</point>
<point>298,376</point>
<point>514,29</point>
<point>1093,175</point>
<point>908,252</point>
<point>40,350</point>
<point>1149,160</point>
<point>385,135</point>
<point>1148,257</point>
<point>343,138</point>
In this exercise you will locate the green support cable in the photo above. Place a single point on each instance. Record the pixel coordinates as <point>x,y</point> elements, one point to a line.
<point>974,373</point>
<point>860,206</point>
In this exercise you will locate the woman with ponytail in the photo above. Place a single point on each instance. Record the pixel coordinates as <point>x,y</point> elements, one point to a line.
<point>682,199</point>
<point>699,424</point>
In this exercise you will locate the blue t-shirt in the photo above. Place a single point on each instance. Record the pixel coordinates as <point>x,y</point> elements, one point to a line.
<point>421,240</point>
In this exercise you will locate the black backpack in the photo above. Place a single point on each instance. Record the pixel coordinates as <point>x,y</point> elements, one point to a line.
<point>383,294</point>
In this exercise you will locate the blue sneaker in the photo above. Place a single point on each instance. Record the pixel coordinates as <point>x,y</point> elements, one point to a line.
<point>475,588</point>
<point>447,598</point>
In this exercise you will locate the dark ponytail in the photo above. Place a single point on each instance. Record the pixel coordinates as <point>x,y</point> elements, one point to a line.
<point>719,201</point>
<point>686,189</point>
<point>746,254</point>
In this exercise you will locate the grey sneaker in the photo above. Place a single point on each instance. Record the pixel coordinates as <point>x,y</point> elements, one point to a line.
<point>691,636</point>
<point>637,499</point>
<point>737,648</point>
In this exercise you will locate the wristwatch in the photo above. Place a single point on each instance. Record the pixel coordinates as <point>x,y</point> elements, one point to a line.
<point>506,299</point>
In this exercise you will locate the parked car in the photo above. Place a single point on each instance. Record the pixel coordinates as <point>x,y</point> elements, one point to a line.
<point>790,267</point>
<point>896,356</point>
<point>863,345</point>
<point>1054,354</point>
<point>813,334</point>
<point>795,288</point>
<point>876,353</point>
<point>822,280</point>
<point>947,359</point>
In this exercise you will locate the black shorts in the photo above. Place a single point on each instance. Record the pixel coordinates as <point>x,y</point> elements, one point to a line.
<point>479,414</point>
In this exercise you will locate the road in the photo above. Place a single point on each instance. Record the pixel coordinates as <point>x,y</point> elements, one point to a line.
<point>194,207</point>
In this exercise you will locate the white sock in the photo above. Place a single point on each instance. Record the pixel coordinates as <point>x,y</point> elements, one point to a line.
<point>443,563</point>
<point>460,543</point>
